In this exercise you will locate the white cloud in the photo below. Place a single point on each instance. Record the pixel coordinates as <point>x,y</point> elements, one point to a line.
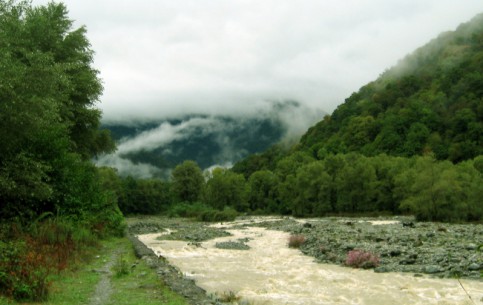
<point>164,57</point>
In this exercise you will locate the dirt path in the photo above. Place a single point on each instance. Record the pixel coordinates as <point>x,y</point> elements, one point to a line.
<point>104,288</point>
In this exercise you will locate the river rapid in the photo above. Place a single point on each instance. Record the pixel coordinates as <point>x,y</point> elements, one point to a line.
<point>272,273</point>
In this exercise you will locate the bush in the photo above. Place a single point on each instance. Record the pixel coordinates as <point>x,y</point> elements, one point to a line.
<point>202,212</point>
<point>228,214</point>
<point>295,241</point>
<point>29,255</point>
<point>188,210</point>
<point>23,274</point>
<point>362,259</point>
<point>121,267</point>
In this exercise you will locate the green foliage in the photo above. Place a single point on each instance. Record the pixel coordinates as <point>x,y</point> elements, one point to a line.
<point>263,186</point>
<point>142,196</point>
<point>30,255</point>
<point>187,182</point>
<point>202,212</point>
<point>188,210</point>
<point>49,132</point>
<point>409,142</point>
<point>225,188</point>
<point>48,122</point>
<point>227,214</point>
<point>442,191</point>
<point>121,267</point>
<point>429,102</point>
<point>21,276</point>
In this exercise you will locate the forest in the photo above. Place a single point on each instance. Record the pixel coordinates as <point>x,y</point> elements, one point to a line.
<point>411,142</point>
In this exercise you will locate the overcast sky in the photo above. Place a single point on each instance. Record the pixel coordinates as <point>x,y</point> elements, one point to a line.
<point>171,57</point>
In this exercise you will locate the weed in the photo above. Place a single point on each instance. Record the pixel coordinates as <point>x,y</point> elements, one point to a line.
<point>121,266</point>
<point>229,297</point>
<point>295,241</point>
<point>362,259</point>
<point>31,255</point>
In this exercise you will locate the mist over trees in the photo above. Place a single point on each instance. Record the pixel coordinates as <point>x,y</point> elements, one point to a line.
<point>151,148</point>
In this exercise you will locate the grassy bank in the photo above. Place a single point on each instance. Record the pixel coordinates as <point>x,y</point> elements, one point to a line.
<point>131,281</point>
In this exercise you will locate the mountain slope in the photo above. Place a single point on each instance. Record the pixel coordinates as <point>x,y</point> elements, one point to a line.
<point>153,148</point>
<point>430,102</point>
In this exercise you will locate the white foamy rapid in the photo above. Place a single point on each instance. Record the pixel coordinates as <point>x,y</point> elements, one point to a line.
<point>272,273</point>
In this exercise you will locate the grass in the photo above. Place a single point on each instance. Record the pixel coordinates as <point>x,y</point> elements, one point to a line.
<point>140,286</point>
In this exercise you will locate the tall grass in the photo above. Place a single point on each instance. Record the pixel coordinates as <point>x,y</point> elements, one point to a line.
<point>30,254</point>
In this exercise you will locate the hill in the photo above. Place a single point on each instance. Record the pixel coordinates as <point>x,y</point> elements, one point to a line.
<point>409,142</point>
<point>430,102</point>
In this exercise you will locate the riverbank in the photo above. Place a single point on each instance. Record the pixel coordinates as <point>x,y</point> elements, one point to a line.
<point>402,244</point>
<point>112,275</point>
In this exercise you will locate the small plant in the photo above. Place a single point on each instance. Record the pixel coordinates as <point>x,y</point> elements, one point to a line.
<point>362,259</point>
<point>295,241</point>
<point>121,267</point>
<point>229,297</point>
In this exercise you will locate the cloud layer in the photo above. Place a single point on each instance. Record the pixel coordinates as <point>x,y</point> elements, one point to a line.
<point>152,149</point>
<point>167,58</point>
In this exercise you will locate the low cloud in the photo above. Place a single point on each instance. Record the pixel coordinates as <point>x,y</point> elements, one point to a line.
<point>210,140</point>
<point>216,57</point>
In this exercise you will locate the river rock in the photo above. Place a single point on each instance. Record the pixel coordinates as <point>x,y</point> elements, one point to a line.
<point>407,261</point>
<point>471,247</point>
<point>474,267</point>
<point>382,269</point>
<point>431,269</point>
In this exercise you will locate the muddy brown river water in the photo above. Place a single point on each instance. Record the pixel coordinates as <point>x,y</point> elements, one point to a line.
<point>271,273</point>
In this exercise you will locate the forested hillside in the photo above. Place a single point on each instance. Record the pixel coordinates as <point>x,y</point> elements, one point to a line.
<point>409,142</point>
<point>430,102</point>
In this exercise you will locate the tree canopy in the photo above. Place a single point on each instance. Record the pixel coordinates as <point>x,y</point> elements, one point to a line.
<point>49,126</point>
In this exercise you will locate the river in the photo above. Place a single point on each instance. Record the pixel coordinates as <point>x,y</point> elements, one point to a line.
<point>271,273</point>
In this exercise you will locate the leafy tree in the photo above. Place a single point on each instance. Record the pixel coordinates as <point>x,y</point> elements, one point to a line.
<point>355,184</point>
<point>313,185</point>
<point>263,186</point>
<point>440,191</point>
<point>187,182</point>
<point>48,122</point>
<point>226,189</point>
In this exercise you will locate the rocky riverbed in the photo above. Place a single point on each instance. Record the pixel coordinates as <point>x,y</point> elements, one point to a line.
<point>403,245</point>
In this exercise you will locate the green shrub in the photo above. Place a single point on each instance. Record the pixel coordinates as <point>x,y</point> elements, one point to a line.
<point>228,214</point>
<point>23,274</point>
<point>202,212</point>
<point>188,210</point>
<point>28,255</point>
